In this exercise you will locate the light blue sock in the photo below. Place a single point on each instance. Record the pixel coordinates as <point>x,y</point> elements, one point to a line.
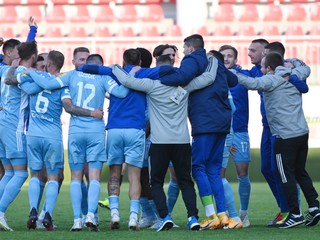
<point>12,189</point>
<point>154,208</point>
<point>229,198</point>
<point>34,192</point>
<point>51,196</point>
<point>134,207</point>
<point>84,200</point>
<point>4,181</point>
<point>93,193</point>
<point>42,186</point>
<point>244,192</point>
<point>76,196</point>
<point>146,210</point>
<point>114,202</point>
<point>173,194</point>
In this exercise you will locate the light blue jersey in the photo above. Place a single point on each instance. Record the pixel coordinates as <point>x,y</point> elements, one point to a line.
<point>14,103</point>
<point>45,110</point>
<point>86,91</point>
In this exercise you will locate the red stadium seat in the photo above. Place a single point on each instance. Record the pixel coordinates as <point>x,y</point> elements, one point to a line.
<point>102,32</point>
<point>56,15</point>
<point>174,31</point>
<point>297,13</point>
<point>224,13</point>
<point>9,14</point>
<point>274,13</point>
<point>315,30</point>
<point>203,31</point>
<point>294,30</point>
<point>36,2</point>
<point>247,30</point>
<point>82,14</point>
<point>77,32</point>
<point>105,14</point>
<point>223,31</point>
<point>53,32</point>
<point>7,32</point>
<point>128,13</point>
<point>249,14</point>
<point>154,12</point>
<point>126,32</point>
<point>315,14</point>
<point>35,12</point>
<point>271,30</point>
<point>150,31</point>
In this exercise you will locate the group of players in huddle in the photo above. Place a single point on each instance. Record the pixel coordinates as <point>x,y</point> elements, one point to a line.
<point>147,133</point>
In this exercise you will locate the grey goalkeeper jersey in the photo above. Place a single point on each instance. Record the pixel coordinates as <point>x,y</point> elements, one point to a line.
<point>167,105</point>
<point>283,103</point>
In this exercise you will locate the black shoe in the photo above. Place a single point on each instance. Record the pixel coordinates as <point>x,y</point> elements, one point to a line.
<point>312,218</point>
<point>47,222</point>
<point>291,221</point>
<point>33,217</point>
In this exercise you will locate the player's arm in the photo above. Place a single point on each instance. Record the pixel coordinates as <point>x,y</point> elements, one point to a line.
<point>78,111</point>
<point>264,83</point>
<point>206,78</point>
<point>27,84</point>
<point>300,69</point>
<point>183,75</point>
<point>11,78</point>
<point>95,69</point>
<point>286,73</point>
<point>113,88</point>
<point>50,82</point>
<point>301,85</point>
<point>139,84</point>
<point>33,30</point>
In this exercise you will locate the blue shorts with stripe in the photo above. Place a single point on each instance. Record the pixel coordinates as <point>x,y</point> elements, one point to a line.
<point>12,143</point>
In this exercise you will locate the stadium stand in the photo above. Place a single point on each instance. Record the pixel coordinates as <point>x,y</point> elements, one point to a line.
<point>127,13</point>
<point>56,15</point>
<point>270,30</point>
<point>223,30</point>
<point>174,31</point>
<point>246,30</point>
<point>35,11</point>
<point>153,13</point>
<point>8,14</point>
<point>81,15</point>
<point>297,13</point>
<point>249,14</point>
<point>273,13</point>
<point>77,32</point>
<point>7,32</point>
<point>104,14</point>
<point>150,31</point>
<point>102,31</point>
<point>224,13</point>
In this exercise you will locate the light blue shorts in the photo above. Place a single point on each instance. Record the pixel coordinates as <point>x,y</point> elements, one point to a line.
<point>45,151</point>
<point>242,143</point>
<point>12,143</point>
<point>80,166</point>
<point>126,146</point>
<point>226,150</point>
<point>86,147</point>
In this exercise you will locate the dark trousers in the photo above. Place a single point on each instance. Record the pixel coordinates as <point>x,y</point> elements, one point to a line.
<point>291,155</point>
<point>180,155</point>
